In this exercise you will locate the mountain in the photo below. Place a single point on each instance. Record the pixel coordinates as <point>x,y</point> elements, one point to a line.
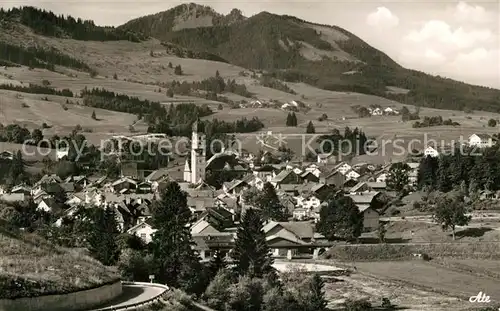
<point>185,16</point>
<point>295,50</point>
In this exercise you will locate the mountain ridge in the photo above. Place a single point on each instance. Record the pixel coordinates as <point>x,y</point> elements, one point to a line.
<point>280,46</point>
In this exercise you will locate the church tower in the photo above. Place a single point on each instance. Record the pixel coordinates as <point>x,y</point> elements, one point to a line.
<point>198,155</point>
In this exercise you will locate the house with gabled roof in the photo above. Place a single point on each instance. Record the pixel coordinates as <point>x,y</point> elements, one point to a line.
<point>144,230</point>
<point>309,176</point>
<point>124,183</point>
<point>23,188</point>
<point>235,187</point>
<point>50,206</point>
<point>481,140</point>
<point>286,177</point>
<point>352,174</point>
<point>368,203</point>
<point>335,178</point>
<point>342,167</point>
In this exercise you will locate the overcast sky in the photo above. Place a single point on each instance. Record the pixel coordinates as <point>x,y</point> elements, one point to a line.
<point>459,40</point>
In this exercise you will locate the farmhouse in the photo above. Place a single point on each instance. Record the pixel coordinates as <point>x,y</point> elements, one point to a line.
<point>144,230</point>
<point>480,140</point>
<point>431,152</point>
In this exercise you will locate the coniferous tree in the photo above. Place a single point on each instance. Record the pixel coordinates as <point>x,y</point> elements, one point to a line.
<point>176,262</point>
<point>216,264</point>
<point>289,120</point>
<point>178,70</point>
<point>17,171</point>
<point>270,205</point>
<point>427,172</point>
<point>310,128</point>
<point>251,254</point>
<point>294,119</point>
<point>317,300</point>
<point>102,240</point>
<point>341,219</point>
<point>94,117</point>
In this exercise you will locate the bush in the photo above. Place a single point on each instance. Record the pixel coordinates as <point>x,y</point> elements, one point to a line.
<point>357,305</point>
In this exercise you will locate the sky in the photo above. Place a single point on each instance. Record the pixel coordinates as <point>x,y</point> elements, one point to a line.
<point>459,40</point>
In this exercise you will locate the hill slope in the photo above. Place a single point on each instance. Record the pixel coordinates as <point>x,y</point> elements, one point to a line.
<point>325,56</point>
<point>30,266</point>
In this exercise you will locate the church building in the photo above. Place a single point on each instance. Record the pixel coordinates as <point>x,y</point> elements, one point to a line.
<point>194,169</point>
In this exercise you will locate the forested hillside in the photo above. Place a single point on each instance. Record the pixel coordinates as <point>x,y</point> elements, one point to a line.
<point>49,24</point>
<point>280,46</point>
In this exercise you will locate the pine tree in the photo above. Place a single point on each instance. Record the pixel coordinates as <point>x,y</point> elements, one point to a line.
<point>270,205</point>
<point>251,254</point>
<point>178,70</point>
<point>102,239</point>
<point>442,176</point>
<point>289,120</point>
<point>94,117</point>
<point>170,65</point>
<point>317,300</point>
<point>341,218</point>
<point>177,263</point>
<point>170,93</point>
<point>310,128</point>
<point>17,172</point>
<point>293,119</point>
<point>216,264</point>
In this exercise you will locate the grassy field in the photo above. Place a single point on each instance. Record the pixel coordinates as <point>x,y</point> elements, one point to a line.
<point>411,298</point>
<point>433,277</point>
<point>136,68</point>
<point>29,266</point>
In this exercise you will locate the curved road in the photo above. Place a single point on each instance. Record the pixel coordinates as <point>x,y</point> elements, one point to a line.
<point>133,293</point>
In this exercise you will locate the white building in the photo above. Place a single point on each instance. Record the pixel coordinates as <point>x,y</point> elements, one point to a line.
<point>480,140</point>
<point>143,230</point>
<point>194,171</point>
<point>343,168</point>
<point>352,174</point>
<point>430,151</point>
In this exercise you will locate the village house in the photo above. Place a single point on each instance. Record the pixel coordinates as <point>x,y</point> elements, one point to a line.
<point>144,230</point>
<point>352,174</point>
<point>123,185</point>
<point>286,177</point>
<point>309,177</point>
<point>431,152</point>
<point>335,178</point>
<point>50,206</point>
<point>481,140</point>
<point>368,203</point>
<point>343,168</point>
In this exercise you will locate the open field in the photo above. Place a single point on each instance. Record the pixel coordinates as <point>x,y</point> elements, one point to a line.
<point>30,266</point>
<point>361,286</point>
<point>434,277</point>
<point>135,67</point>
<point>426,232</point>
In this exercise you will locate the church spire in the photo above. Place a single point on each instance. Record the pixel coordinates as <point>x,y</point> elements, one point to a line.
<point>195,126</point>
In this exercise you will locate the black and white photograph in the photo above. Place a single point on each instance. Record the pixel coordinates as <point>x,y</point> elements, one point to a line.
<point>269,155</point>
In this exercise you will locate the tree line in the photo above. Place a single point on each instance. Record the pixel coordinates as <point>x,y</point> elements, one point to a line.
<point>336,142</point>
<point>38,57</point>
<point>470,170</point>
<point>215,85</point>
<point>37,89</point>
<point>49,24</point>
<point>434,121</point>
